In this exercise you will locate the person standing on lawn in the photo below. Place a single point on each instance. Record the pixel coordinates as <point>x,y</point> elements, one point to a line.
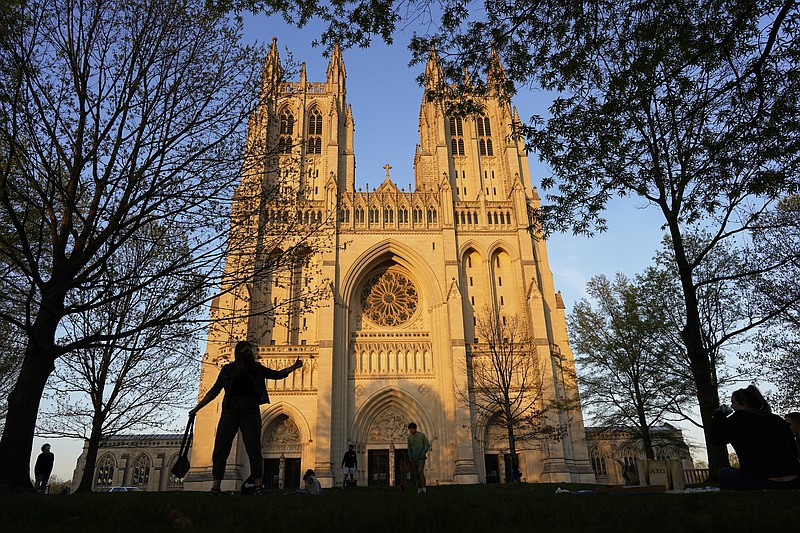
<point>418,447</point>
<point>349,465</point>
<point>245,390</point>
<point>43,468</point>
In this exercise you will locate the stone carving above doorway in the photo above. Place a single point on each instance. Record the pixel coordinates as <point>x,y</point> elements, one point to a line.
<point>389,426</point>
<point>283,432</point>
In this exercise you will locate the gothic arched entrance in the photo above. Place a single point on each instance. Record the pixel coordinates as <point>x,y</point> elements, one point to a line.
<point>380,428</point>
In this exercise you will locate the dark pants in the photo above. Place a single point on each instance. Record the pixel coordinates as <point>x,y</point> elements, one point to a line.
<point>41,482</point>
<point>241,414</point>
<point>736,479</point>
<point>418,470</point>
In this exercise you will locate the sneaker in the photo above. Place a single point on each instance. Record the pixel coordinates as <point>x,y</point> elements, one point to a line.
<point>419,491</point>
<point>424,490</point>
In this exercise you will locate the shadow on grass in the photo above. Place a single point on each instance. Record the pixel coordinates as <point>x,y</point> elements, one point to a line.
<point>465,508</point>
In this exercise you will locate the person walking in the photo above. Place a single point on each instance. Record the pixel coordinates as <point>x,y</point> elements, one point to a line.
<point>43,468</point>
<point>245,390</point>
<point>418,447</point>
<point>349,465</point>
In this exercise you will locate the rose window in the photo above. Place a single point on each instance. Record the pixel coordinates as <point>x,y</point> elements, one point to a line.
<point>389,298</point>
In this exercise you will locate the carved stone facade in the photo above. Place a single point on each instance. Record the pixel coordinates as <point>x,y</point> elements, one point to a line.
<point>401,283</point>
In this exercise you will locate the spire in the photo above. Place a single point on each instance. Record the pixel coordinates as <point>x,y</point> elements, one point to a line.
<point>434,76</point>
<point>497,77</point>
<point>336,72</point>
<point>272,72</point>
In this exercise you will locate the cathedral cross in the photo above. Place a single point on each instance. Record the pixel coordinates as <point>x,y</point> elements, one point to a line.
<point>387,167</point>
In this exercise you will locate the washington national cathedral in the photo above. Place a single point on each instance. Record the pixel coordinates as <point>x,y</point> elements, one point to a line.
<point>406,275</point>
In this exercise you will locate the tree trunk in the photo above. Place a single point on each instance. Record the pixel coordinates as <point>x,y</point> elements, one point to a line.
<point>87,476</point>
<point>24,400</point>
<point>647,439</point>
<point>698,354</point>
<point>512,450</point>
<point>647,442</point>
<point>23,409</point>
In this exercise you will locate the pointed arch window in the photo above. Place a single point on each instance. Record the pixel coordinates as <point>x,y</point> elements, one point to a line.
<point>457,135</point>
<point>105,471</point>
<point>286,132</point>
<point>484,136</point>
<point>599,462</point>
<point>314,132</point>
<point>141,471</point>
<point>432,215</point>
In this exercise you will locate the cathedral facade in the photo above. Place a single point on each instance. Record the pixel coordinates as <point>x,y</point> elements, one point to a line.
<point>401,284</point>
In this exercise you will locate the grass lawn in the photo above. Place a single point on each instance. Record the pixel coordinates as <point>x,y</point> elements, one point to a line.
<point>470,508</point>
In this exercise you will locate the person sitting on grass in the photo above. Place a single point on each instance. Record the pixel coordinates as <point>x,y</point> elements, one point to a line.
<point>312,485</point>
<point>763,442</point>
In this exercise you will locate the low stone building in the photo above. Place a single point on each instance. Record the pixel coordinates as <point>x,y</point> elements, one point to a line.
<point>615,451</point>
<point>142,461</point>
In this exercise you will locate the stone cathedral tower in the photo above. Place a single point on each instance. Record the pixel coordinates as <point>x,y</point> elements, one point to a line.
<point>405,275</point>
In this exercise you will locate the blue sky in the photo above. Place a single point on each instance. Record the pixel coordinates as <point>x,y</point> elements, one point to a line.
<point>385,98</point>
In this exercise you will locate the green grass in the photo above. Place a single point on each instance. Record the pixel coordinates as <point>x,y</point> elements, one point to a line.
<point>472,508</point>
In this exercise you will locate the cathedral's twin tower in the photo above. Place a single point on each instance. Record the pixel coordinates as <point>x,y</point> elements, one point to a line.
<point>408,276</point>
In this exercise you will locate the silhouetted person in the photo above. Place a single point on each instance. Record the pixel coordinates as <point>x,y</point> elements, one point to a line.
<point>349,465</point>
<point>245,390</point>
<point>763,442</point>
<point>43,468</point>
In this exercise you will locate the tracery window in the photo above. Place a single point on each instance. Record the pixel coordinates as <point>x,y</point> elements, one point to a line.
<point>389,298</point>
<point>456,135</point>
<point>629,462</point>
<point>105,471</point>
<point>402,216</point>
<point>314,132</point>
<point>286,132</point>
<point>484,136</point>
<point>141,471</point>
<point>432,215</point>
<point>599,462</point>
